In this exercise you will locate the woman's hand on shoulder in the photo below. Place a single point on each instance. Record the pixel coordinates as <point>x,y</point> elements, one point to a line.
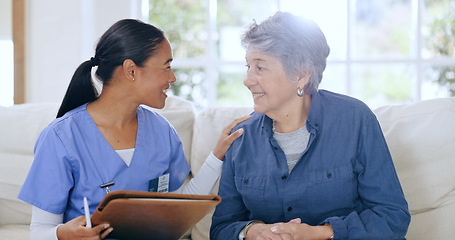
<point>227,138</point>
<point>76,229</point>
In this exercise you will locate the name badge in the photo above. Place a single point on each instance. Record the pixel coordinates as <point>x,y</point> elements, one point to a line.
<point>159,184</point>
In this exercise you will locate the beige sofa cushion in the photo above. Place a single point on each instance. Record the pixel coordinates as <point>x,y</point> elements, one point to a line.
<point>15,232</point>
<point>20,126</point>
<point>420,136</point>
<point>207,129</point>
<point>421,139</point>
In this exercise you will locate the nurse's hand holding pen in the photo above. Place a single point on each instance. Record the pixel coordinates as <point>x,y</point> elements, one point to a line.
<point>76,229</point>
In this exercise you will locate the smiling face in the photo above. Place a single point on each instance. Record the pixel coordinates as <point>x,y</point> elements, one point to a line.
<point>155,76</point>
<point>272,92</point>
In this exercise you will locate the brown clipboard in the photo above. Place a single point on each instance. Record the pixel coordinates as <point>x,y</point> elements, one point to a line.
<point>150,215</point>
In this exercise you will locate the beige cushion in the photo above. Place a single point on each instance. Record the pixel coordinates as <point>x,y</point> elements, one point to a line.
<point>20,126</point>
<point>207,129</point>
<point>15,232</point>
<point>421,139</point>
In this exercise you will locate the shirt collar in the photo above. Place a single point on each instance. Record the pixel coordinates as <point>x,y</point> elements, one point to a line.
<point>314,115</point>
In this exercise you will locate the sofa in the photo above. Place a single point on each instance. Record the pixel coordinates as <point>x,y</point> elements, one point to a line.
<point>420,135</point>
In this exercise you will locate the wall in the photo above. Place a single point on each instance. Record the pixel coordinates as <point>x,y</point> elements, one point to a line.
<point>62,34</point>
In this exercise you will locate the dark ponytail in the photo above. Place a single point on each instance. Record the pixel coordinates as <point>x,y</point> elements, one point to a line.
<point>126,39</point>
<point>81,89</point>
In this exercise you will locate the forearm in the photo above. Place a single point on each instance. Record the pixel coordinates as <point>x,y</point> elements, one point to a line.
<point>44,224</point>
<point>383,208</point>
<point>231,215</point>
<point>391,224</point>
<point>227,231</point>
<point>205,180</point>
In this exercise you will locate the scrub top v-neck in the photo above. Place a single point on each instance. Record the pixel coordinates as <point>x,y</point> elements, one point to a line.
<point>73,159</point>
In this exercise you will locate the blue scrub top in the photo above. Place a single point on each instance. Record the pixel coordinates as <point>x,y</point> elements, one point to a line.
<point>72,160</point>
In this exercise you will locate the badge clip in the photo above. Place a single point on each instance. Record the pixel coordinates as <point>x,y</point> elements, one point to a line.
<point>106,186</point>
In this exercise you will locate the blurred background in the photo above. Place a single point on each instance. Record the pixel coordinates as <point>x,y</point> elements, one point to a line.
<point>382,51</point>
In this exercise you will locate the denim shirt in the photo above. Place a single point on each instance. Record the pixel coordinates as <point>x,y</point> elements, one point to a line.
<point>345,176</point>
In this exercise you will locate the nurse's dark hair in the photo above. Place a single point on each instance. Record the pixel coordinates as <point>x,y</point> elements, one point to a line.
<point>126,39</point>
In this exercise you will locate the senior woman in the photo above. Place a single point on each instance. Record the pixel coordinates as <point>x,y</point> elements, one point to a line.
<point>311,164</point>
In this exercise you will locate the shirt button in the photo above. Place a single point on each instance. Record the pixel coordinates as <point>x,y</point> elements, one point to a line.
<point>289,209</point>
<point>284,177</point>
<point>316,125</point>
<point>245,181</point>
<point>329,175</point>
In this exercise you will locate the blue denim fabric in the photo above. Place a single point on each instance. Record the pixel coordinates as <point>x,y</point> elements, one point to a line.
<point>345,177</point>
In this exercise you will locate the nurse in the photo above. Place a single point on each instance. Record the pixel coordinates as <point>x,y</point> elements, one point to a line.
<point>108,141</point>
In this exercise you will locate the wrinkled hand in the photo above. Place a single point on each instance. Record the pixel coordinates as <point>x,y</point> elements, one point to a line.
<point>226,138</point>
<point>302,231</point>
<point>261,231</point>
<point>75,229</point>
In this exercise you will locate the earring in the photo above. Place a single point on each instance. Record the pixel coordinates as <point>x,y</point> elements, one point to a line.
<point>133,78</point>
<point>299,92</point>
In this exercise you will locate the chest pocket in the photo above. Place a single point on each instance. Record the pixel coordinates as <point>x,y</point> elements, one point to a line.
<point>336,187</point>
<point>252,190</point>
<point>329,175</point>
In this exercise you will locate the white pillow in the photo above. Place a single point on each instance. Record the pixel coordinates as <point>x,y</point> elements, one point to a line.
<point>421,139</point>
<point>20,126</point>
<point>207,128</point>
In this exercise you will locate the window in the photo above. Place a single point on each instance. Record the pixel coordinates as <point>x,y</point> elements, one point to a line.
<point>12,51</point>
<point>6,55</point>
<point>382,51</point>
<point>7,70</point>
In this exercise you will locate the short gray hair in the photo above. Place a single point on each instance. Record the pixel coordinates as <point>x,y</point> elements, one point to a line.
<point>298,42</point>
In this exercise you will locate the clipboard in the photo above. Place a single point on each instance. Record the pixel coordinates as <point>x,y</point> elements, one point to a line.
<point>139,215</point>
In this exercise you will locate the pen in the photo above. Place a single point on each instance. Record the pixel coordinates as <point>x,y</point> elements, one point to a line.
<point>87,213</point>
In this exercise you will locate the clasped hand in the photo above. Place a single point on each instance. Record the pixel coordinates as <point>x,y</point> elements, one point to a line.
<point>292,230</point>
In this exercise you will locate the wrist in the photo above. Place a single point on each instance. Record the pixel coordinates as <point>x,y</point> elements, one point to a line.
<point>328,231</point>
<point>217,155</point>
<point>243,233</point>
<point>60,232</point>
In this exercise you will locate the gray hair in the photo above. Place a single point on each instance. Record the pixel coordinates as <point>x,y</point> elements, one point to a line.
<point>298,42</point>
